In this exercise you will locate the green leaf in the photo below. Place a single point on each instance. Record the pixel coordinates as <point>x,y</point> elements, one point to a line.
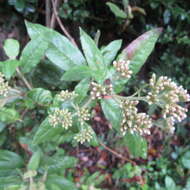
<point>110,51</point>
<point>136,144</point>
<point>61,51</point>
<point>116,10</point>
<point>40,96</point>
<point>11,48</point>
<point>169,183</point>
<point>10,160</point>
<point>186,160</point>
<point>34,161</point>
<point>46,132</point>
<point>81,90</point>
<point>77,73</point>
<point>8,115</point>
<point>60,182</point>
<point>32,54</point>
<point>9,67</point>
<point>93,56</point>
<point>112,112</point>
<point>139,49</point>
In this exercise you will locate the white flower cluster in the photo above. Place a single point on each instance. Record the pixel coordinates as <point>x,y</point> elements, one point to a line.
<point>167,94</point>
<point>98,91</point>
<point>61,117</point>
<point>134,122</point>
<point>83,115</point>
<point>85,135</point>
<point>122,67</point>
<point>4,87</point>
<point>66,95</point>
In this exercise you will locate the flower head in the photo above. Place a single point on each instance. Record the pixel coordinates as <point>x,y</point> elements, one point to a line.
<point>85,135</point>
<point>66,95</point>
<point>4,87</point>
<point>83,115</point>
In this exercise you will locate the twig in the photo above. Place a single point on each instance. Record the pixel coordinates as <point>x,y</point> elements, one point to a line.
<point>24,79</point>
<point>61,24</point>
<point>48,12</point>
<point>53,19</point>
<point>117,154</point>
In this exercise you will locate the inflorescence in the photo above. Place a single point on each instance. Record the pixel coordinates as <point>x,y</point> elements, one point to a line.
<point>4,87</point>
<point>66,95</point>
<point>99,91</point>
<point>167,94</point>
<point>61,117</point>
<point>133,121</point>
<point>83,115</point>
<point>122,67</point>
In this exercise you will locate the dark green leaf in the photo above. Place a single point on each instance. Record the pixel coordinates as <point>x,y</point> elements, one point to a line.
<point>139,50</point>
<point>32,54</point>
<point>34,161</point>
<point>112,112</point>
<point>136,144</point>
<point>186,160</point>
<point>110,51</point>
<point>46,132</point>
<point>10,160</point>
<point>9,67</point>
<point>8,115</point>
<point>40,96</point>
<point>60,182</point>
<point>116,10</point>
<point>77,73</point>
<point>61,51</point>
<point>11,47</point>
<point>93,56</point>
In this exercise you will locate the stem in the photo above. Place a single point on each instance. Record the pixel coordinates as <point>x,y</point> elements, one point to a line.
<point>48,7</point>
<point>61,24</point>
<point>117,154</point>
<point>24,79</point>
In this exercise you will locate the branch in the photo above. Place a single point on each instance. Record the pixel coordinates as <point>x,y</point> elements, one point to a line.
<point>117,154</point>
<point>48,7</point>
<point>61,24</point>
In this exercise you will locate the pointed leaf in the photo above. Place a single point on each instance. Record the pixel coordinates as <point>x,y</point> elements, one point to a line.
<point>32,54</point>
<point>110,51</point>
<point>112,112</point>
<point>116,10</point>
<point>77,73</point>
<point>34,161</point>
<point>139,50</point>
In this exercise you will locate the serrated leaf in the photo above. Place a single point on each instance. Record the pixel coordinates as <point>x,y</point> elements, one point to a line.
<point>77,73</point>
<point>139,49</point>
<point>112,112</point>
<point>61,51</point>
<point>8,115</point>
<point>136,144</point>
<point>11,47</point>
<point>116,10</point>
<point>10,160</point>
<point>45,132</point>
<point>40,96</point>
<point>110,51</point>
<point>32,54</point>
<point>93,56</point>
<point>8,67</point>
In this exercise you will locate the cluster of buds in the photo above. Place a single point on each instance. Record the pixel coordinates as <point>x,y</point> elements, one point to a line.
<point>98,91</point>
<point>83,115</point>
<point>122,67</point>
<point>134,122</point>
<point>167,91</point>
<point>85,135</point>
<point>61,117</point>
<point>4,87</point>
<point>167,94</point>
<point>66,95</point>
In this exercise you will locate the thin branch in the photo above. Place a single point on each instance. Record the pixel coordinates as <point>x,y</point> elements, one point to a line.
<point>117,154</point>
<point>48,12</point>
<point>24,79</point>
<point>61,24</point>
<point>53,19</point>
